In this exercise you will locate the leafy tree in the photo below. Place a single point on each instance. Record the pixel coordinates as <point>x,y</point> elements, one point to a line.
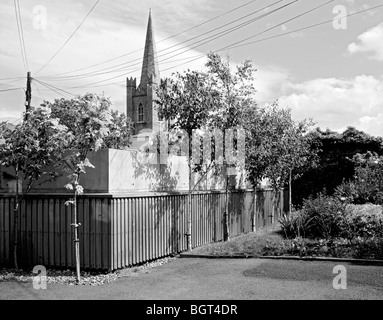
<point>334,160</point>
<point>92,125</point>
<point>186,101</point>
<point>367,183</point>
<point>28,148</point>
<point>276,145</point>
<point>119,136</point>
<point>235,92</point>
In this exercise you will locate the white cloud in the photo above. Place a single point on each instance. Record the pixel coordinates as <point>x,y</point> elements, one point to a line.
<point>270,82</point>
<point>338,103</point>
<point>372,125</point>
<point>370,41</point>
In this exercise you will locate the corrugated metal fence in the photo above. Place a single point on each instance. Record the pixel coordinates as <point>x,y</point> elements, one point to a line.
<point>118,232</point>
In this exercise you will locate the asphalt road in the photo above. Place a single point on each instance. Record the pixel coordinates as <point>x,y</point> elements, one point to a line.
<point>207,279</point>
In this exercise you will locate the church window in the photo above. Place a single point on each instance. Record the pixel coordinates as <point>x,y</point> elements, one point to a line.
<point>140,113</point>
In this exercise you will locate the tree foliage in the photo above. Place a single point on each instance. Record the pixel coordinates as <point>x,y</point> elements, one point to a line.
<point>367,183</point>
<point>28,148</point>
<point>92,125</point>
<point>276,144</point>
<point>185,101</point>
<point>334,165</point>
<point>93,122</point>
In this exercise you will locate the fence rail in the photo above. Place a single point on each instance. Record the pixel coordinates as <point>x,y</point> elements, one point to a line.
<point>117,232</point>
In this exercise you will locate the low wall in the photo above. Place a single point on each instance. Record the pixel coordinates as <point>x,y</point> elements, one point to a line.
<point>125,171</point>
<point>121,231</point>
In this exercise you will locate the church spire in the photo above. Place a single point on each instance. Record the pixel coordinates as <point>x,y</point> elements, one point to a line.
<point>150,73</point>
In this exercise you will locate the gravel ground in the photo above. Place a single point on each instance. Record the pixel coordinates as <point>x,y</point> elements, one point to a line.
<point>68,277</point>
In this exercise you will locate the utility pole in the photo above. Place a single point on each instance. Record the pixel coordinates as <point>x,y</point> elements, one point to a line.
<point>28,96</point>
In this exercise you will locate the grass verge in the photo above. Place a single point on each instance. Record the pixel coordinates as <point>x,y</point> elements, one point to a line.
<point>270,241</point>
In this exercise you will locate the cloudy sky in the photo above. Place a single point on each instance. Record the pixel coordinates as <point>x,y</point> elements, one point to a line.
<point>331,72</point>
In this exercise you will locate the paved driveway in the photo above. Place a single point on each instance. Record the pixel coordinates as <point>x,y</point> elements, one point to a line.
<point>194,278</point>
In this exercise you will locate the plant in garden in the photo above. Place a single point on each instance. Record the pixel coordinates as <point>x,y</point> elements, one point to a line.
<point>363,221</point>
<point>120,128</point>
<point>367,183</point>
<point>334,165</point>
<point>185,101</point>
<point>235,93</point>
<point>276,146</point>
<point>93,125</point>
<point>296,224</point>
<point>327,213</point>
<point>29,148</point>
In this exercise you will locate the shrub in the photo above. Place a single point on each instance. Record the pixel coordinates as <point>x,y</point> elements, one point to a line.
<point>347,191</point>
<point>363,221</point>
<point>319,218</point>
<point>367,185</point>
<point>368,248</point>
<point>296,224</point>
<point>326,213</point>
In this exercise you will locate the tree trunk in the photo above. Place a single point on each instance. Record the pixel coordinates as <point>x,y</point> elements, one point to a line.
<point>16,222</point>
<point>226,235</point>
<point>290,202</point>
<point>76,239</point>
<point>189,230</point>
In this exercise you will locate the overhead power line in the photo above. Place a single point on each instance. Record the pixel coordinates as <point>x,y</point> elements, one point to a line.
<point>220,34</point>
<point>11,89</point>
<point>303,28</point>
<point>20,31</point>
<point>162,53</point>
<point>61,92</point>
<point>38,90</point>
<point>11,78</point>
<point>240,44</point>
<point>215,37</point>
<point>70,37</point>
<point>170,37</point>
<point>280,24</point>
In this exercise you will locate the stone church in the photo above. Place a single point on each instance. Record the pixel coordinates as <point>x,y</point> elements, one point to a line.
<point>140,99</point>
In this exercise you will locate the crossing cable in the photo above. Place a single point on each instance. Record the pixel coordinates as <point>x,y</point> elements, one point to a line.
<point>256,41</point>
<point>70,37</point>
<point>233,46</point>
<point>12,78</point>
<point>7,83</point>
<point>159,55</point>
<point>280,24</point>
<point>187,47</point>
<point>209,39</point>
<point>219,35</point>
<point>38,90</point>
<point>11,89</point>
<point>62,92</point>
<point>163,40</point>
<point>304,28</point>
<point>20,31</point>
<point>264,31</point>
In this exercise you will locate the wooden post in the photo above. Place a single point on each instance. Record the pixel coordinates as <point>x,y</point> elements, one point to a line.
<point>28,96</point>
<point>254,226</point>
<point>290,204</point>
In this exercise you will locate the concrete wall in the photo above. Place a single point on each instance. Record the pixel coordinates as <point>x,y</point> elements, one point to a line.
<point>129,171</point>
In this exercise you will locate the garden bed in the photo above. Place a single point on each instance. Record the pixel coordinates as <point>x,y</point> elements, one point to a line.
<point>271,242</point>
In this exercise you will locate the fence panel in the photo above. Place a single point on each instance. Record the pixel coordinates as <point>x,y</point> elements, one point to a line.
<point>117,232</point>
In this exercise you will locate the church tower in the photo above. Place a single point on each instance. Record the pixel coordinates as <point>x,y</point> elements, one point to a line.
<point>140,99</point>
